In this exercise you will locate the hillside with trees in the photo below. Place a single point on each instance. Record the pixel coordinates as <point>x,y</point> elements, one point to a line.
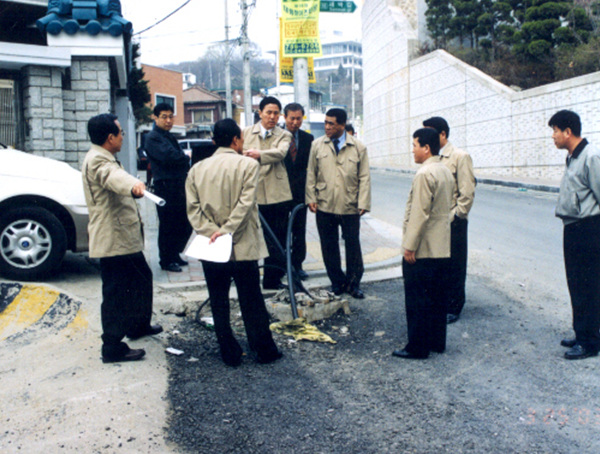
<point>523,43</point>
<point>210,68</point>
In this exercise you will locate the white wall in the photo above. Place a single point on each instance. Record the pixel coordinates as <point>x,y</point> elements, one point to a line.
<point>504,130</point>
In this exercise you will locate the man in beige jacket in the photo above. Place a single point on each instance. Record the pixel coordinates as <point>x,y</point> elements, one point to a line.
<point>269,144</point>
<point>460,164</point>
<point>426,243</point>
<point>221,199</point>
<point>338,190</point>
<point>116,237</point>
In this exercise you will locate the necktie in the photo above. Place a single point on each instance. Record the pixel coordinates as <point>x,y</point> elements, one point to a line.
<point>336,145</point>
<point>293,149</point>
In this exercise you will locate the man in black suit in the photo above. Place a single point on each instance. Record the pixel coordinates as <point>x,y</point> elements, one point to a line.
<point>170,167</point>
<point>296,163</point>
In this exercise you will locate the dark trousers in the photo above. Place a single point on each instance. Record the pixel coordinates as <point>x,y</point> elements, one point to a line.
<point>581,243</point>
<point>256,319</point>
<point>276,216</point>
<point>299,238</point>
<point>174,228</point>
<point>426,302</point>
<point>457,272</point>
<point>328,226</point>
<point>126,299</point>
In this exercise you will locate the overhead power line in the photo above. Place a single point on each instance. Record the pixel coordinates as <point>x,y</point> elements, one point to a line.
<point>162,20</point>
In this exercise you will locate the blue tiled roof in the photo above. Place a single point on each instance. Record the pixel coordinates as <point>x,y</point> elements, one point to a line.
<point>90,16</point>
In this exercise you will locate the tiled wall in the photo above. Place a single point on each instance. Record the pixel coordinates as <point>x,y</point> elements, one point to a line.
<point>504,130</point>
<point>56,110</point>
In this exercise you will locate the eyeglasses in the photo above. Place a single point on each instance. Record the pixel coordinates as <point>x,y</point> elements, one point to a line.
<point>166,117</point>
<point>122,133</point>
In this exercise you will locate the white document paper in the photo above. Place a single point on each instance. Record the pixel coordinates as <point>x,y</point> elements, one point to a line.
<point>219,251</point>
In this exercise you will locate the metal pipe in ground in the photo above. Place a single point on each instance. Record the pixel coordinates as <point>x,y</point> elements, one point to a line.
<point>293,280</point>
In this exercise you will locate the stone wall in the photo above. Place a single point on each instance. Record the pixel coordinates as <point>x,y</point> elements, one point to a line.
<point>43,111</point>
<point>90,95</point>
<point>56,110</point>
<point>504,130</point>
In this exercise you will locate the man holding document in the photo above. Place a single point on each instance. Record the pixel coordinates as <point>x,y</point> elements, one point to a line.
<point>117,239</point>
<point>221,199</point>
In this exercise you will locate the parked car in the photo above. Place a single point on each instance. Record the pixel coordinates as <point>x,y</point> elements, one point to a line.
<point>142,159</point>
<point>42,214</point>
<point>198,149</point>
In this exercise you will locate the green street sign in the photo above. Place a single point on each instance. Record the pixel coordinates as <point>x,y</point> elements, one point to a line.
<point>337,6</point>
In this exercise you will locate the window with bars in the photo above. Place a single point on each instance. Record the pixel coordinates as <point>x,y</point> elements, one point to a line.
<point>11,124</point>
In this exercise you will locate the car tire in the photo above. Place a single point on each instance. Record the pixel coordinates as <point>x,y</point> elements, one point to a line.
<point>33,243</point>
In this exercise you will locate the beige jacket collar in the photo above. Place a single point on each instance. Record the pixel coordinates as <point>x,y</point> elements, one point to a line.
<point>431,160</point>
<point>349,141</point>
<point>225,150</point>
<point>103,151</point>
<point>446,152</point>
<point>259,129</point>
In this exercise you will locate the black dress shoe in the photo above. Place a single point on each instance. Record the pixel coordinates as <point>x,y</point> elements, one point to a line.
<point>357,293</point>
<point>302,275</point>
<point>569,343</point>
<point>579,352</point>
<point>269,358</point>
<point>149,331</point>
<point>277,286</point>
<point>172,267</point>
<point>452,318</point>
<point>131,355</point>
<point>181,262</point>
<point>407,355</point>
<point>233,362</point>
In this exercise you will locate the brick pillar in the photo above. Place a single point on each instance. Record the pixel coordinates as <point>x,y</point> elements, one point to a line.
<point>43,111</point>
<point>89,95</point>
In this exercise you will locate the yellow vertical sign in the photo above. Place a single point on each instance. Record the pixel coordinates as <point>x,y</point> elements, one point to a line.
<point>286,64</point>
<point>300,28</point>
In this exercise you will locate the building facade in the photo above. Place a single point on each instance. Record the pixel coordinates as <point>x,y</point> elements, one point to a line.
<point>166,86</point>
<point>203,108</point>
<point>347,54</point>
<point>62,62</point>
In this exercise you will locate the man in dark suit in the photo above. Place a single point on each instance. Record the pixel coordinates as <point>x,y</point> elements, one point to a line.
<point>296,163</point>
<point>170,167</point>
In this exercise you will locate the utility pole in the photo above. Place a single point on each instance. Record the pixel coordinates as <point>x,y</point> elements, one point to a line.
<point>301,92</point>
<point>229,113</point>
<point>278,49</point>
<point>331,88</point>
<point>353,90</point>
<point>246,67</point>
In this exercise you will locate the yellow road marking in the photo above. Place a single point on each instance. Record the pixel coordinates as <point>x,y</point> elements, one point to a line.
<point>28,307</point>
<point>79,322</point>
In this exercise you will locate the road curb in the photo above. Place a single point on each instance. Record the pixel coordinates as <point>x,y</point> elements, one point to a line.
<point>394,262</point>
<point>554,188</point>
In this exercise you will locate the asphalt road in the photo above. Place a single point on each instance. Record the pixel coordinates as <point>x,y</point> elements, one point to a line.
<point>515,241</point>
<point>502,386</point>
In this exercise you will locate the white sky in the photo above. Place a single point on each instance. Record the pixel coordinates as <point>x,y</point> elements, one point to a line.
<point>186,35</point>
